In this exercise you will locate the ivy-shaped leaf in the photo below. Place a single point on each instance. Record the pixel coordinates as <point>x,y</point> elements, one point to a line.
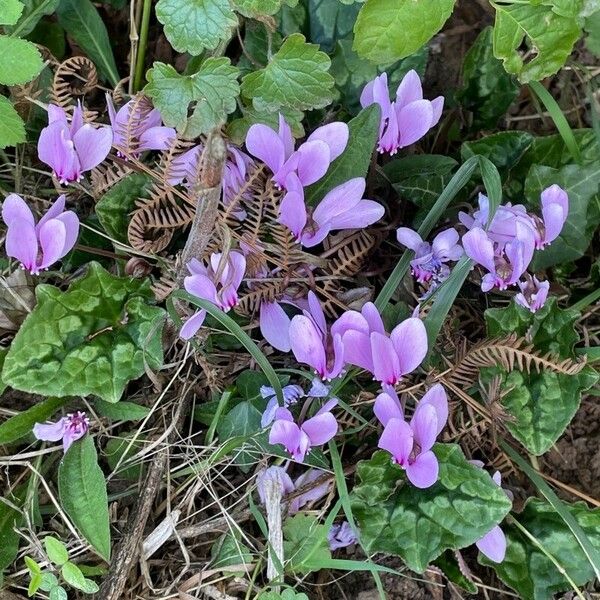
<point>387,30</point>
<point>550,34</point>
<point>505,149</point>
<point>194,25</point>
<point>21,61</point>
<point>296,77</point>
<point>12,128</point>
<point>91,339</point>
<point>420,524</point>
<point>305,544</point>
<point>528,570</point>
<point>82,490</point>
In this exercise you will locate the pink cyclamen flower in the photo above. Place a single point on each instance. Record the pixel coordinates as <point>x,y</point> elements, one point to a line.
<point>291,395</point>
<point>71,149</point>
<point>506,265</point>
<point>309,162</point>
<point>367,345</point>
<point>534,293</point>
<point>408,118</point>
<point>430,259</point>
<point>68,429</point>
<point>314,344</point>
<point>218,283</point>
<point>341,535</point>
<point>138,127</point>
<point>299,439</point>
<point>38,245</point>
<point>410,444</point>
<point>342,208</point>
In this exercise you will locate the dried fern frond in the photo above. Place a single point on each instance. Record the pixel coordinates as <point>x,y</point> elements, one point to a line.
<point>106,175</point>
<point>510,353</point>
<point>74,77</point>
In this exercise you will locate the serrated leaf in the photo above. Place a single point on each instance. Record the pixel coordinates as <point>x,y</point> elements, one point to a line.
<point>528,570</point>
<point>10,11</point>
<point>82,22</point>
<point>296,77</point>
<point>91,339</point>
<point>21,61</point>
<point>33,11</point>
<point>550,34</point>
<point>305,544</point>
<point>420,524</point>
<point>12,127</point>
<point>257,8</point>
<point>213,88</point>
<point>355,160</point>
<point>114,207</point>
<point>194,25</point>
<point>22,423</point>
<point>121,411</point>
<point>57,552</point>
<point>387,30</point>
<point>82,490</point>
<point>58,593</point>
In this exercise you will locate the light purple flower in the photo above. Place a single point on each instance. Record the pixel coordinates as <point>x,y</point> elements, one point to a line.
<point>309,162</point>
<point>299,439</point>
<point>533,293</point>
<point>71,149</point>
<point>38,245</point>
<point>275,325</point>
<point>273,473</point>
<point>430,259</point>
<point>68,429</point>
<point>218,283</point>
<point>138,127</point>
<point>506,267</point>
<point>341,208</point>
<point>408,118</point>
<point>314,344</point>
<point>555,210</point>
<point>410,443</point>
<point>341,535</point>
<point>291,395</point>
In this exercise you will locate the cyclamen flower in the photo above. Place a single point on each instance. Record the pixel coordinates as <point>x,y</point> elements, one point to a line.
<point>367,345</point>
<point>341,208</point>
<point>506,266</point>
<point>216,283</point>
<point>533,293</point>
<point>275,325</point>
<point>410,443</point>
<point>299,439</point>
<point>309,162</point>
<point>138,127</point>
<point>408,118</point>
<point>291,395</point>
<point>341,536</point>
<point>430,259</point>
<point>38,245</point>
<point>68,429</point>
<point>71,149</point>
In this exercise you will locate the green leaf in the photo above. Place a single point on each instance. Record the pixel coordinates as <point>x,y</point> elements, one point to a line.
<point>82,22</point>
<point>504,149</point>
<point>21,61</point>
<point>118,449</point>
<point>34,584</point>
<point>449,565</point>
<point>487,90</point>
<point>114,208</point>
<point>420,524</point>
<point>74,577</point>
<point>238,128</point>
<point>330,22</point>
<point>296,77</point>
<point>243,419</point>
<point>194,25</point>
<point>213,89</point>
<point>550,35</point>
<point>12,128</point>
<point>387,30</point>
<point>34,568</point>
<point>122,411</point>
<point>355,160</point>
<point>592,28</point>
<point>256,8</point>
<point>58,593</point>
<point>10,11</point>
<point>82,490</point>
<point>49,581</point>
<point>22,423</point>
<point>528,570</point>
<point>91,339</point>
<point>57,552</point>
<point>52,36</point>
<point>10,520</point>
<point>305,544</point>
<point>228,550</point>
<point>33,11</point>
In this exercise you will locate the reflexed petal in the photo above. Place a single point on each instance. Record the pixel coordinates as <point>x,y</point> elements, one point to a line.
<point>555,195</point>
<point>338,357</point>
<point>195,267</point>
<point>56,114</point>
<point>320,428</point>
<point>156,138</point>
<point>58,206</point>
<point>371,314</point>
<point>312,495</point>
<point>479,247</point>
<point>488,281</point>
<point>390,140</point>
<point>285,135</point>
<point>397,439</point>
<point>444,243</point>
<point>386,408</point>
<point>307,344</point>
<point>274,325</point>
<point>350,320</point>
<point>14,207</point>
<point>493,544</point>
<point>286,433</point>
<point>268,415</point>
<point>424,471</point>
<point>309,240</point>
<point>340,199</point>
<point>314,159</point>
<point>409,238</point>
<point>21,243</point>
<point>335,135</point>
<point>283,414</point>
<point>292,212</point>
<point>424,424</point>
<point>192,325</point>
<point>237,265</point>
<point>414,121</point>
<point>554,219</point>
<point>316,312</point>
<point>438,106</point>
<point>71,222</point>
<point>264,143</point>
<point>77,120</point>
<point>201,286</point>
<point>366,96</point>
<point>410,343</point>
<point>365,213</point>
<point>71,436</point>
<point>357,349</point>
<point>50,432</point>
<point>52,235</point>
<point>436,397</point>
<point>381,94</point>
<point>92,145</point>
<point>409,90</point>
<point>386,367</point>
<point>328,406</point>
<point>341,536</point>
<point>55,148</point>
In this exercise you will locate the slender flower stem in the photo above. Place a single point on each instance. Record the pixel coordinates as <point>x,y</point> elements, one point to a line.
<point>141,55</point>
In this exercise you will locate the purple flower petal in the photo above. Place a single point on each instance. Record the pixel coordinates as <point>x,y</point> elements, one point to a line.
<point>312,495</point>
<point>316,312</point>
<point>320,428</point>
<point>201,286</point>
<point>493,544</point>
<point>357,349</point>
<point>479,247</point>
<point>410,342</point>
<point>156,138</point>
<point>21,243</point>
<point>436,397</point>
<point>444,244</point>
<point>386,367</point>
<point>285,135</point>
<point>306,342</point>
<point>56,149</point>
<point>292,212</point>
<point>351,320</point>
<point>273,473</point>
<point>50,432</point>
<point>71,222</point>
<point>55,210</point>
<point>424,471</point>
<point>192,325</point>
<point>286,433</point>
<point>52,237</point>
<point>341,536</point>
<point>313,161</point>
<point>414,121</point>
<point>365,213</point>
<point>14,207</point>
<point>397,439</point>
<point>409,90</point>
<point>371,314</point>
<point>274,325</point>
<point>268,415</point>
<point>438,106</point>
<point>339,200</point>
<point>409,238</point>
<point>335,135</point>
<point>386,407</point>
<point>92,145</point>
<point>424,424</point>
<point>264,143</point>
